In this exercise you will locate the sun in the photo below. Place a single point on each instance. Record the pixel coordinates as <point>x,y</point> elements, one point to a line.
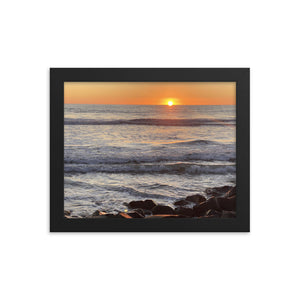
<point>170,103</point>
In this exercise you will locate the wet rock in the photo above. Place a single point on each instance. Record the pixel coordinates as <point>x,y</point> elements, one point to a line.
<point>195,199</point>
<point>181,203</point>
<point>147,212</point>
<point>67,213</point>
<point>231,192</point>
<point>124,215</point>
<point>136,204</point>
<point>213,203</point>
<point>162,210</point>
<point>184,211</point>
<point>140,211</point>
<point>147,204</point>
<point>165,216</point>
<point>102,217</point>
<point>213,212</point>
<point>201,209</point>
<point>227,203</point>
<point>218,190</point>
<point>98,213</point>
<point>135,215</point>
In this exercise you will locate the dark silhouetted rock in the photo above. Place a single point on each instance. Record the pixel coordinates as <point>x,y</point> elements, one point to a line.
<point>135,215</point>
<point>213,212</point>
<point>181,203</point>
<point>101,215</point>
<point>124,215</point>
<point>141,211</point>
<point>195,199</point>
<point>147,212</point>
<point>136,204</point>
<point>165,216</point>
<point>200,209</point>
<point>218,190</point>
<point>147,204</point>
<point>67,213</point>
<point>98,213</point>
<point>162,210</point>
<point>231,192</point>
<point>227,203</point>
<point>184,211</point>
<point>213,203</point>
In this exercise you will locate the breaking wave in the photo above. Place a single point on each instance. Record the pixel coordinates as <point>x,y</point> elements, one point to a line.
<point>170,168</point>
<point>225,157</point>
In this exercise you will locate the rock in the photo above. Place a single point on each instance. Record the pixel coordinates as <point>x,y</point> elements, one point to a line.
<point>231,192</point>
<point>147,204</point>
<point>195,199</point>
<point>165,216</point>
<point>213,212</point>
<point>98,213</point>
<point>200,209</point>
<point>218,190</point>
<point>67,213</point>
<point>101,217</point>
<point>135,215</point>
<point>124,215</point>
<point>136,204</point>
<point>162,209</point>
<point>184,211</point>
<point>227,203</point>
<point>228,214</point>
<point>147,212</point>
<point>141,212</point>
<point>213,203</point>
<point>175,216</point>
<point>181,203</point>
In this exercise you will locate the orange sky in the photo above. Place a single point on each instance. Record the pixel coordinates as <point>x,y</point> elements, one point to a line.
<point>150,93</point>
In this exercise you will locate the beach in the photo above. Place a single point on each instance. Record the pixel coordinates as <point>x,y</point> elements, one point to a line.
<point>220,203</point>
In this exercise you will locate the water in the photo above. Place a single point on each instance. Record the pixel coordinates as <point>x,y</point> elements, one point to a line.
<point>118,153</point>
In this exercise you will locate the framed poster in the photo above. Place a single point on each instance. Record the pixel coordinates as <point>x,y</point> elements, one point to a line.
<point>149,149</point>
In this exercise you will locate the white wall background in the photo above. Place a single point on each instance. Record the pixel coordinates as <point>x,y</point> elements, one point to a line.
<point>36,35</point>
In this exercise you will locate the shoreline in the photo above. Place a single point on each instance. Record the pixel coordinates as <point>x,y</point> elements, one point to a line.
<point>218,202</point>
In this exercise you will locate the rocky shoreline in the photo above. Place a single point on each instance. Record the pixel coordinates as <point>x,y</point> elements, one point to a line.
<point>219,202</point>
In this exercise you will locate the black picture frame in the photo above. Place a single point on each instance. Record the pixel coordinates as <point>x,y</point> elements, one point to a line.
<point>58,223</point>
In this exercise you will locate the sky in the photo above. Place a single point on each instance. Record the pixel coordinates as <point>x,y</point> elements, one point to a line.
<point>150,93</point>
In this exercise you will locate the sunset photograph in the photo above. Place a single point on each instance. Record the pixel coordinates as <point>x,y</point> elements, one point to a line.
<point>149,150</point>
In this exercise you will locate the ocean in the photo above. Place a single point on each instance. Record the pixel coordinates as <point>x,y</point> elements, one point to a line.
<point>114,154</point>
